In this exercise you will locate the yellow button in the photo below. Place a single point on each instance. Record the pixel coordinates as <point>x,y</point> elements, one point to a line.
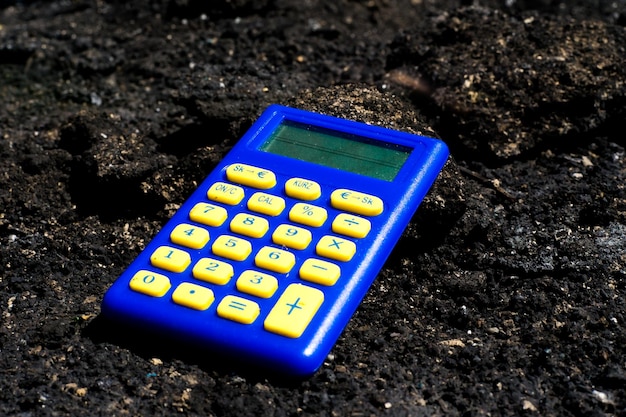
<point>150,283</point>
<point>353,226</point>
<point>251,176</point>
<point>308,214</point>
<point>356,202</point>
<point>275,259</point>
<point>208,214</point>
<point>320,272</point>
<point>335,248</point>
<point>266,204</point>
<point>213,271</point>
<point>225,193</point>
<point>231,247</point>
<point>238,309</point>
<point>193,296</point>
<point>303,189</point>
<point>294,310</point>
<point>293,237</point>
<point>171,259</point>
<point>249,225</point>
<point>191,236</point>
<point>257,283</point>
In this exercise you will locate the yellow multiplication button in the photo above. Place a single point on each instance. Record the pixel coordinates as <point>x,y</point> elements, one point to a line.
<point>193,296</point>
<point>257,283</point>
<point>171,259</point>
<point>320,272</point>
<point>294,310</point>
<point>231,247</point>
<point>225,193</point>
<point>190,236</point>
<point>213,271</point>
<point>308,214</point>
<point>275,259</point>
<point>251,176</point>
<point>150,283</point>
<point>353,226</point>
<point>335,248</point>
<point>238,309</point>
<point>249,225</point>
<point>208,214</point>
<point>293,237</point>
<point>356,202</point>
<point>303,189</point>
<point>266,204</point>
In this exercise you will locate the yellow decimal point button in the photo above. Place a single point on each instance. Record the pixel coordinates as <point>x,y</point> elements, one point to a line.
<point>251,176</point>
<point>320,272</point>
<point>208,214</point>
<point>294,310</point>
<point>308,214</point>
<point>356,202</point>
<point>238,309</point>
<point>193,296</point>
<point>213,271</point>
<point>353,226</point>
<point>225,193</point>
<point>171,259</point>
<point>303,189</point>
<point>191,236</point>
<point>150,283</point>
<point>275,259</point>
<point>232,247</point>
<point>336,248</point>
<point>266,204</point>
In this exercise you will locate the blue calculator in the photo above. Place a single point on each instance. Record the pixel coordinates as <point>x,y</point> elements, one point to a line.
<point>269,258</point>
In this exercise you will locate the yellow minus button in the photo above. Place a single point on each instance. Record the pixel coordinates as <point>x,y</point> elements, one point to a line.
<point>356,202</point>
<point>294,310</point>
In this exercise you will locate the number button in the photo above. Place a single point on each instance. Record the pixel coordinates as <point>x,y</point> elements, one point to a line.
<point>251,176</point>
<point>193,296</point>
<point>238,309</point>
<point>150,283</point>
<point>335,248</point>
<point>294,310</point>
<point>266,204</point>
<point>232,247</point>
<point>213,271</point>
<point>208,214</point>
<point>308,214</point>
<point>356,202</point>
<point>225,193</point>
<point>190,236</point>
<point>275,259</point>
<point>303,189</point>
<point>257,283</point>
<point>171,259</point>
<point>353,226</point>
<point>320,272</point>
<point>249,225</point>
<point>292,236</point>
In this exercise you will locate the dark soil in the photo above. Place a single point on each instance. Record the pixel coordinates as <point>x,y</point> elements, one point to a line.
<point>505,296</point>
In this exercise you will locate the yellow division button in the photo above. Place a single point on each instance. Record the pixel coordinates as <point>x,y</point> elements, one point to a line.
<point>193,296</point>
<point>356,202</point>
<point>171,259</point>
<point>303,189</point>
<point>251,176</point>
<point>238,309</point>
<point>353,226</point>
<point>294,310</point>
<point>225,193</point>
<point>150,283</point>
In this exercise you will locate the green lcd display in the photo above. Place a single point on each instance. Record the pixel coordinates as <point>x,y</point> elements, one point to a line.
<point>335,149</point>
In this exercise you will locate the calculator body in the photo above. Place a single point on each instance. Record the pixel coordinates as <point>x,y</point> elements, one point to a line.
<point>330,204</point>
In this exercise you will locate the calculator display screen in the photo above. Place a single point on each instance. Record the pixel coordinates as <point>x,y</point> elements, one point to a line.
<point>337,149</point>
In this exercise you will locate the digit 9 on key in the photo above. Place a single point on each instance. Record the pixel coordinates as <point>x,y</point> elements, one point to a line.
<point>281,241</point>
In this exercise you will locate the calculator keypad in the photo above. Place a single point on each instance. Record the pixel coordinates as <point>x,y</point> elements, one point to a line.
<point>295,307</point>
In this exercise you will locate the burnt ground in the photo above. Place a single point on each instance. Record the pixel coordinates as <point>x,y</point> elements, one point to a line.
<point>505,296</point>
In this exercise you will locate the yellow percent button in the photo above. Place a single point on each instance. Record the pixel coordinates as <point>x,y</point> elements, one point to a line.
<point>356,202</point>
<point>251,176</point>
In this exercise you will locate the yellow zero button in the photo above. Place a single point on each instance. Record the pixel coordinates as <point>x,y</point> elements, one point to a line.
<point>356,202</point>
<point>251,176</point>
